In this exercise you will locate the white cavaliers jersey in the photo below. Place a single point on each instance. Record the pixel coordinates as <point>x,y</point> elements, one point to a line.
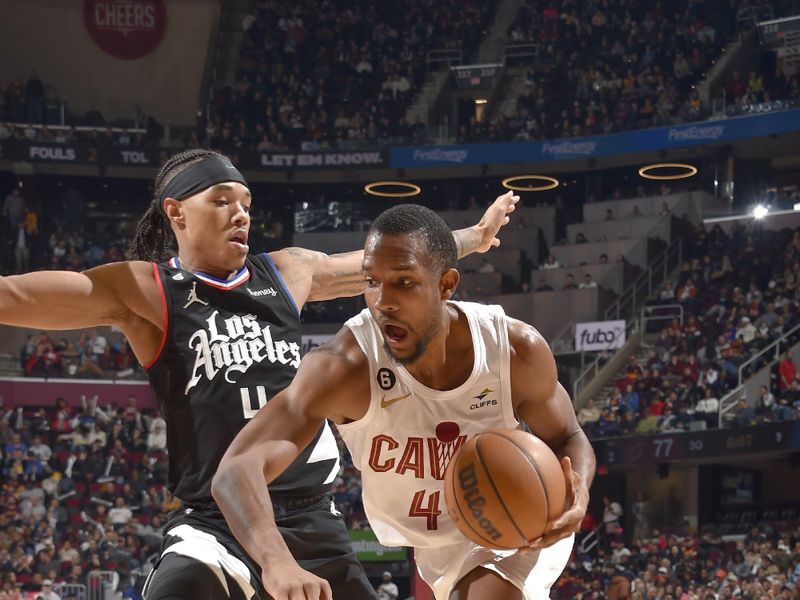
<point>403,443</point>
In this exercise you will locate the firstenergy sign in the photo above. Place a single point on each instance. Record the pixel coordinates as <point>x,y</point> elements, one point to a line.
<point>599,335</point>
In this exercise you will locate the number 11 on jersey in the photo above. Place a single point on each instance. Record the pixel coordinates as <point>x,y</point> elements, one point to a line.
<point>252,405</point>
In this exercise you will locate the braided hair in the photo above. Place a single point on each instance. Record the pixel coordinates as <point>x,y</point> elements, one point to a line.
<point>154,238</point>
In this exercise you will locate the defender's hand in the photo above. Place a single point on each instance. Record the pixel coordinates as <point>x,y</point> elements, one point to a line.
<point>289,581</point>
<point>493,219</point>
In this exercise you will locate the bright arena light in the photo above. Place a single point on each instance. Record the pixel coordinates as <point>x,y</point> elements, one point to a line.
<point>760,211</point>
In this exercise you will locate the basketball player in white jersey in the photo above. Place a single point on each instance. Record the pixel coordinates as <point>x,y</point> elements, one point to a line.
<point>408,381</point>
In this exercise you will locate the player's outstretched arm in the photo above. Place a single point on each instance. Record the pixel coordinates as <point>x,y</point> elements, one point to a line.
<point>313,276</point>
<point>546,407</point>
<point>327,384</point>
<point>123,294</point>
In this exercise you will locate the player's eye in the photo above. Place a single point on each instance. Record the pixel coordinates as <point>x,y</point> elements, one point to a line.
<point>370,282</point>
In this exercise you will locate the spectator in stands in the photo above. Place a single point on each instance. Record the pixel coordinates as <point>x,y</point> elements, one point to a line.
<point>544,286</point>
<point>47,592</point>
<point>387,590</point>
<point>120,514</point>
<point>569,283</point>
<point>765,403</point>
<point>14,209</point>
<point>612,519</point>
<point>588,415</point>
<point>736,86</point>
<point>587,282</point>
<point>745,415</point>
<point>580,238</point>
<point>787,371</point>
<point>22,251</point>
<point>157,438</point>
<point>486,266</point>
<point>551,263</point>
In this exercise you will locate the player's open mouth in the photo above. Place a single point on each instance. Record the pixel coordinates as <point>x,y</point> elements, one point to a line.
<point>394,333</point>
<point>239,240</point>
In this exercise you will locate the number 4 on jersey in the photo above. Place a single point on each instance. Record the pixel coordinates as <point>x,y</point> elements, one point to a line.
<point>430,511</point>
<point>250,405</point>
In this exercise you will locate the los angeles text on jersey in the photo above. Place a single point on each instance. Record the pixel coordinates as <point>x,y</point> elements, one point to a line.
<point>234,345</point>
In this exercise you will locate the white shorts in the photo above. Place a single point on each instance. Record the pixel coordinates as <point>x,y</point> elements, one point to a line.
<point>532,572</point>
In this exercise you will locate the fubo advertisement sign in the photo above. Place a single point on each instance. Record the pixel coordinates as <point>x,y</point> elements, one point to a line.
<point>599,335</point>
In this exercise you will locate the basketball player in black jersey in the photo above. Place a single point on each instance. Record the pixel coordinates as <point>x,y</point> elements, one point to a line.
<point>218,332</point>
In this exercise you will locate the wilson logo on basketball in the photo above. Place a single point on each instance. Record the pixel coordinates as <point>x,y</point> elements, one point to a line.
<point>468,480</point>
<point>126,29</point>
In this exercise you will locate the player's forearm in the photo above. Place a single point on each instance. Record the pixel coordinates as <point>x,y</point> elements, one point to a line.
<point>468,240</point>
<point>342,276</point>
<point>240,490</point>
<point>579,450</point>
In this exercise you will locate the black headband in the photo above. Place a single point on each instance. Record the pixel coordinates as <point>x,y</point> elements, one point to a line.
<point>200,176</point>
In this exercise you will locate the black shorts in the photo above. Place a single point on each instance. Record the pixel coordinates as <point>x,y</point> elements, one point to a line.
<point>315,534</point>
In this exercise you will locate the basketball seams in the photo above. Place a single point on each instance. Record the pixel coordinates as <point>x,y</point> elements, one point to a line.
<point>496,491</point>
<point>533,463</point>
<point>461,510</point>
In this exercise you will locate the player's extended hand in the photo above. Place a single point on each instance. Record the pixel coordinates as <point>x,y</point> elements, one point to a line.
<point>493,219</point>
<point>569,522</point>
<point>289,581</point>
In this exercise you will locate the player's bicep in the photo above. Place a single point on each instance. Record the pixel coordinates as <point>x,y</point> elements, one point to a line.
<point>539,398</point>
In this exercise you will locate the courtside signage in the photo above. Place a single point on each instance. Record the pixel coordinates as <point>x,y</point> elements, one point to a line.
<point>368,548</point>
<point>599,335</point>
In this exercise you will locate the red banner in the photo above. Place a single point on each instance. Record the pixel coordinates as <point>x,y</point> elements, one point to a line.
<point>126,29</point>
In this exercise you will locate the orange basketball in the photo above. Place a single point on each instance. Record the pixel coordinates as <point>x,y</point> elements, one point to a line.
<point>502,488</point>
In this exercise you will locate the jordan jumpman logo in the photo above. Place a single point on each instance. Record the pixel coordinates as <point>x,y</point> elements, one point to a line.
<point>193,297</point>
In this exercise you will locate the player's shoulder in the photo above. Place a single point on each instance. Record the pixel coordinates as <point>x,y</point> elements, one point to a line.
<point>123,272</point>
<point>342,348</point>
<point>527,344</point>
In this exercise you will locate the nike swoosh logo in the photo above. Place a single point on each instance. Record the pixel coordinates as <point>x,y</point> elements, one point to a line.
<point>385,402</point>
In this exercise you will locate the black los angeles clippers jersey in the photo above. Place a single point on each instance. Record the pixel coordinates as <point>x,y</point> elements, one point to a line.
<point>229,346</point>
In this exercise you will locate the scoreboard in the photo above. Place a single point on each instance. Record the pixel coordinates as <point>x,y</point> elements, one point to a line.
<point>780,32</point>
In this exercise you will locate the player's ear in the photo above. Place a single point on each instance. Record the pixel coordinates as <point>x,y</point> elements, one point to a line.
<point>448,283</point>
<point>174,210</point>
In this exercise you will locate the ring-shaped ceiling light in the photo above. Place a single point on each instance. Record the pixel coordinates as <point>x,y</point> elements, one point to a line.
<point>688,171</point>
<point>374,189</point>
<point>552,183</point>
